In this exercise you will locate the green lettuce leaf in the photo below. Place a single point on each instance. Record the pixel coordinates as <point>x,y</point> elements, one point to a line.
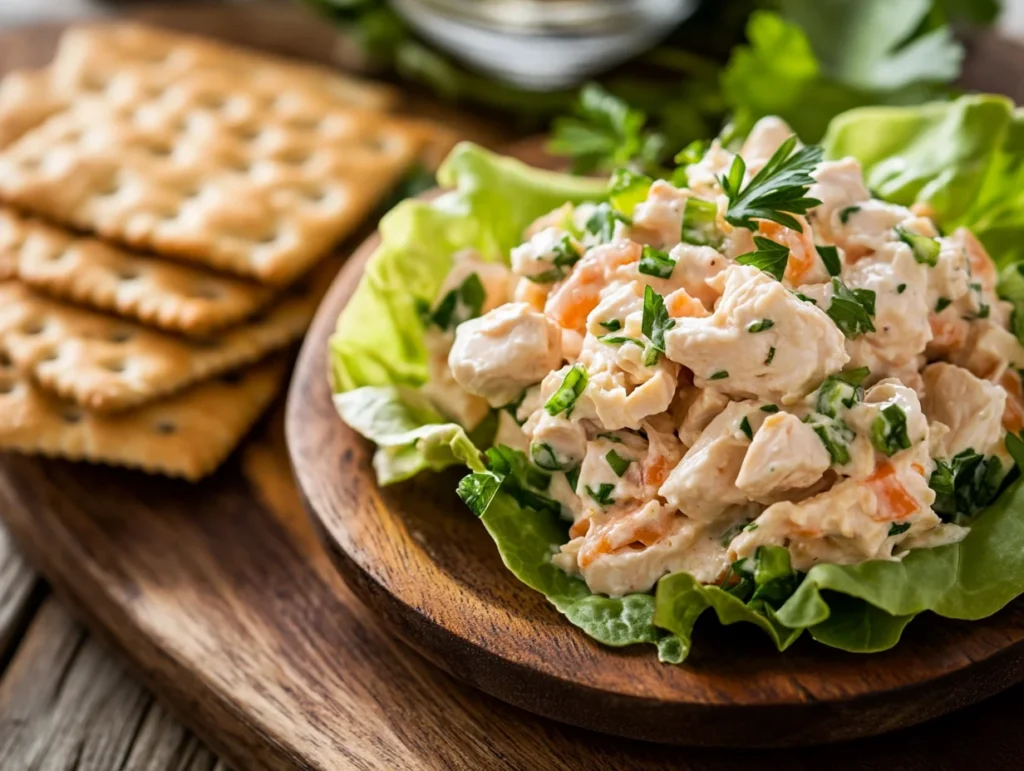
<point>411,436</point>
<point>526,539</point>
<point>379,337</point>
<point>965,158</point>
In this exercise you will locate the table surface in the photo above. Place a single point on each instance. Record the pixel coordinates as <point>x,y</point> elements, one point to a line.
<point>66,702</point>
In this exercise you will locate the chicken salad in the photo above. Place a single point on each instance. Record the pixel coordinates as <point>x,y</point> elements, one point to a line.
<point>734,386</point>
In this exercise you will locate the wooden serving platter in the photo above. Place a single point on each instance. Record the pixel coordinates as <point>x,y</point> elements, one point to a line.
<point>223,600</point>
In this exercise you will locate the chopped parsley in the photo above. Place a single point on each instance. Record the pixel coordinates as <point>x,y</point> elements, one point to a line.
<point>770,357</point>
<point>611,438</point>
<point>768,256</point>
<point>925,249</point>
<point>543,455</point>
<point>965,484</point>
<point>509,470</point>
<point>720,375</point>
<point>760,326</point>
<point>984,311</point>
<point>564,399</point>
<point>889,430</point>
<point>751,527</point>
<point>844,214</point>
<point>461,304</point>
<point>572,476</point>
<point>602,495</point>
<point>830,257</point>
<point>835,434</point>
<point>851,310</point>
<point>942,304</point>
<point>657,263</point>
<point>898,528</point>
<point>805,298</point>
<point>699,223</point>
<point>746,429</point>
<point>776,192</point>
<point>602,222</point>
<point>770,408</point>
<point>614,325</point>
<point>566,254</point>
<point>901,288</point>
<point>617,462</point>
<point>656,322</point>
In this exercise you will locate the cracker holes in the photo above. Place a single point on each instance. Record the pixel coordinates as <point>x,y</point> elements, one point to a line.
<point>120,336</point>
<point>7,385</point>
<point>316,195</point>
<point>232,378</point>
<point>161,150</point>
<point>71,415</point>
<point>295,157</point>
<point>165,428</point>
<point>249,133</point>
<point>205,292</point>
<point>5,361</point>
<point>127,274</point>
<point>33,327</point>
<point>212,101</point>
<point>50,354</point>
<point>117,366</point>
<point>268,238</point>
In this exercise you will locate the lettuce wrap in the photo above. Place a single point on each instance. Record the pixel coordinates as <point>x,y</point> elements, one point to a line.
<point>954,156</point>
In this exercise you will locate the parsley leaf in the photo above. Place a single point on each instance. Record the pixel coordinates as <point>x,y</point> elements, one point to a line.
<point>777,191</point>
<point>564,399</point>
<point>844,214</point>
<point>612,325</point>
<point>603,133</point>
<point>722,374</point>
<point>657,263</point>
<point>656,320</point>
<point>830,257</point>
<point>768,256</point>
<point>851,311</point>
<point>965,484</point>
<point>746,429</point>
<point>898,528</point>
<point>835,434</point>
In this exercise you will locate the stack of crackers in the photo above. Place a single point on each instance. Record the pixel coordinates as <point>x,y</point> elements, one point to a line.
<point>168,211</point>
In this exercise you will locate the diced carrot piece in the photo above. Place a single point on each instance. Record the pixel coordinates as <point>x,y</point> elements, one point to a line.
<point>896,502</point>
<point>655,470</point>
<point>918,468</point>
<point>1013,413</point>
<point>591,552</point>
<point>948,332</point>
<point>679,304</point>
<point>579,527</point>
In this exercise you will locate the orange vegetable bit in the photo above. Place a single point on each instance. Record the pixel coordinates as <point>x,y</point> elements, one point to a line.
<point>893,499</point>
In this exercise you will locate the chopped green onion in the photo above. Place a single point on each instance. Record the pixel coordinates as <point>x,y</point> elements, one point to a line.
<point>620,339</point>
<point>889,430</point>
<point>602,222</point>
<point>901,288</point>
<point>770,357</point>
<point>720,375</point>
<point>760,326</point>
<point>543,455</point>
<point>942,304</point>
<point>617,462</point>
<point>461,304</point>
<point>770,408</point>
<point>925,249</point>
<point>655,262</point>
<point>898,528</point>
<point>602,495</point>
<point>655,323</point>
<point>835,434</point>
<point>614,325</point>
<point>746,429</point>
<point>564,399</point>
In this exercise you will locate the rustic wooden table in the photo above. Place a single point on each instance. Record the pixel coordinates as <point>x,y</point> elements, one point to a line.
<point>66,702</point>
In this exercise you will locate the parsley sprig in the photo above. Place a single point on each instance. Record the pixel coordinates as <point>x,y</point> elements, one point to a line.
<point>777,191</point>
<point>852,310</point>
<point>768,256</point>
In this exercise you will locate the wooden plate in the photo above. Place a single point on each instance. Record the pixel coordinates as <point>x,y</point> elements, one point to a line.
<point>426,564</point>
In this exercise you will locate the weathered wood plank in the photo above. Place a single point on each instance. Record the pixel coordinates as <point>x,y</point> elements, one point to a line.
<point>66,703</point>
<point>18,596</point>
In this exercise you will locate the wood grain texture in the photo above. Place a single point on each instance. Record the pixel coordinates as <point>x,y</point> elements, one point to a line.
<point>224,602</point>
